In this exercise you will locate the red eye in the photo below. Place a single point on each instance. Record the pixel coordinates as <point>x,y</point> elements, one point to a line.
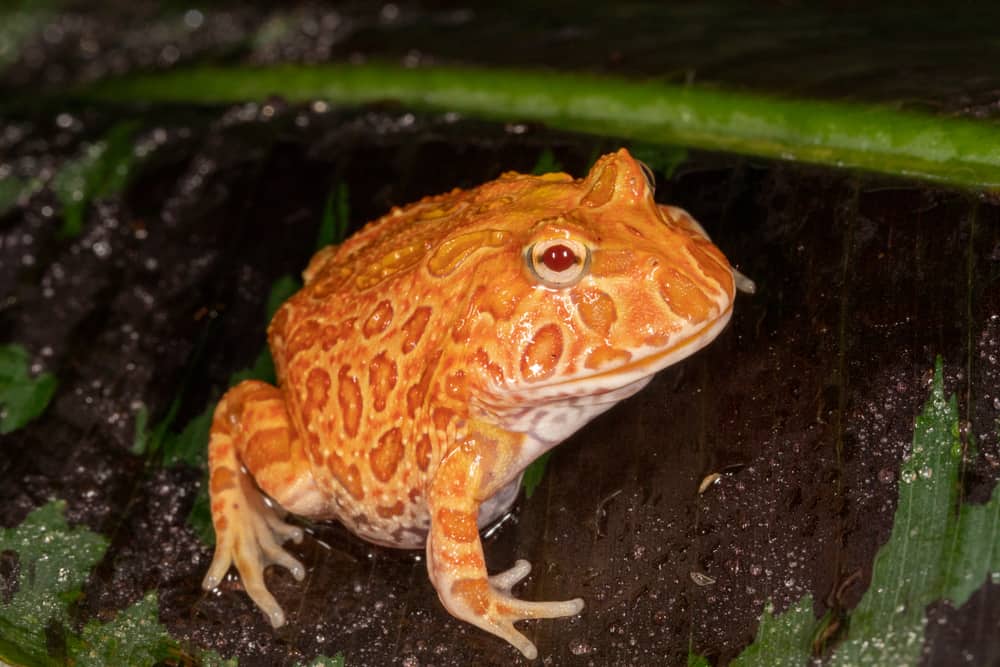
<point>558,258</point>
<point>558,263</point>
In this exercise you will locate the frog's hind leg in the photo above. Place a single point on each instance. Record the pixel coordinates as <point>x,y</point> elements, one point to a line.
<point>252,439</point>
<point>467,476</point>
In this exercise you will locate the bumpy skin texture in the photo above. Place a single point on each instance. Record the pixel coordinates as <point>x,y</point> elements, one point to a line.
<point>436,353</point>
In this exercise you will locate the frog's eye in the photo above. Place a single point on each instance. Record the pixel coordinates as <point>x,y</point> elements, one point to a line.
<point>558,262</point>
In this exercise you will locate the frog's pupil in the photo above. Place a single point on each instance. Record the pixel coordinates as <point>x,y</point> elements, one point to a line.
<point>558,258</point>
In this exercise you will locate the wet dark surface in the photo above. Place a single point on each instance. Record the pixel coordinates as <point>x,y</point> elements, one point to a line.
<point>805,403</point>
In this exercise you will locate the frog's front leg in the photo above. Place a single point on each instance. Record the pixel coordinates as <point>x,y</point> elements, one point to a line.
<point>252,439</point>
<point>468,475</point>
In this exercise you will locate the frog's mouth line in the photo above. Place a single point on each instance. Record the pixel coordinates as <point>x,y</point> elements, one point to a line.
<point>611,379</point>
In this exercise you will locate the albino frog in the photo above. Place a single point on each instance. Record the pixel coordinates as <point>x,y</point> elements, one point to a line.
<point>440,350</point>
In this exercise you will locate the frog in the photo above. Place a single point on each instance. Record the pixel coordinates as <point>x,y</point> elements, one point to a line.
<point>432,356</point>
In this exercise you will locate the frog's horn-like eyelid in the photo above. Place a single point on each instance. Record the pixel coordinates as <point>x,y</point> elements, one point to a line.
<point>649,174</point>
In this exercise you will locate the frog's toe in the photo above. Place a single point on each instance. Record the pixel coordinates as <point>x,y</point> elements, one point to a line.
<point>220,565</point>
<point>515,609</point>
<point>507,579</point>
<point>273,552</point>
<point>285,531</point>
<point>252,574</point>
<point>509,610</point>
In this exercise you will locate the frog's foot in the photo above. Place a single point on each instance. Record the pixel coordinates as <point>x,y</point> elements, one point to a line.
<point>251,438</point>
<point>486,602</point>
<point>508,609</point>
<point>249,533</point>
<point>455,554</point>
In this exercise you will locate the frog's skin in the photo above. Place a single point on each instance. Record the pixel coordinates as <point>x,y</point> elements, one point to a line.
<point>433,355</point>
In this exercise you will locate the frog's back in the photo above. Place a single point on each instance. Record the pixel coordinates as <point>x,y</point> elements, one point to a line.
<point>359,349</point>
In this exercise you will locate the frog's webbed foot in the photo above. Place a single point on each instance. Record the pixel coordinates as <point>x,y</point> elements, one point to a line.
<point>251,538</point>
<point>508,609</point>
<point>487,603</point>
<point>249,531</point>
<point>455,555</point>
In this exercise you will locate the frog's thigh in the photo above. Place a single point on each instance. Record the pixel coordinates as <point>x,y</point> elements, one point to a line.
<point>455,554</point>
<point>270,449</point>
<point>252,438</point>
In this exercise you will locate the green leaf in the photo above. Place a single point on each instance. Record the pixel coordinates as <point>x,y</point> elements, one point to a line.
<point>22,398</point>
<point>101,170</point>
<point>15,28</point>
<point>695,660</point>
<point>547,163</point>
<point>533,474</point>
<point>336,215</point>
<point>190,445</point>
<point>134,637</point>
<point>840,134</point>
<point>213,659</point>
<point>323,661</point>
<point>262,369</point>
<point>937,550</point>
<point>282,289</point>
<point>781,640</point>
<point>53,562</point>
<point>142,437</point>
<point>200,517</point>
<point>10,191</point>
<point>934,552</point>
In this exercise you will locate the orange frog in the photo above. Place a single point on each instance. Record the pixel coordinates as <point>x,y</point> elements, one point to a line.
<point>437,352</point>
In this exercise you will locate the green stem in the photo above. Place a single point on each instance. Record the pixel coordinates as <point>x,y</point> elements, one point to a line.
<point>881,139</point>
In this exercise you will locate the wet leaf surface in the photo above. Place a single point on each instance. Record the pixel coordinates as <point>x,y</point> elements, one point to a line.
<point>50,563</point>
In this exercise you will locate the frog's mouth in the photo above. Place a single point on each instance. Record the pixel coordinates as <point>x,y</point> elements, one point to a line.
<point>606,385</point>
<point>550,413</point>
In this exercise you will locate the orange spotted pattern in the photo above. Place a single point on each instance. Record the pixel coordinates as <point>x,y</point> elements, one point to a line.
<point>427,360</point>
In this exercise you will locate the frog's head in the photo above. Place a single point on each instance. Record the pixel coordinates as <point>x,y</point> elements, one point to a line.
<point>601,288</point>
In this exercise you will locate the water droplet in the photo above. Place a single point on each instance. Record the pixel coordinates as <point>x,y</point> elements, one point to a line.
<point>908,476</point>
<point>886,476</point>
<point>389,13</point>
<point>579,647</point>
<point>926,472</point>
<point>193,19</point>
<point>101,248</point>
